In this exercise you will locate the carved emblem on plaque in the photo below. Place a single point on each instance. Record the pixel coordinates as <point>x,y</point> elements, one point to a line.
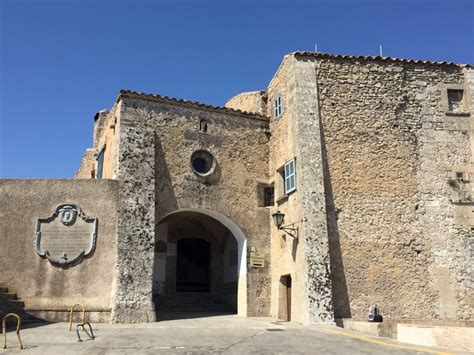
<point>68,215</point>
<point>65,236</point>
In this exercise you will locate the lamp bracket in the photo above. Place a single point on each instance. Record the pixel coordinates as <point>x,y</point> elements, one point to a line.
<point>291,231</point>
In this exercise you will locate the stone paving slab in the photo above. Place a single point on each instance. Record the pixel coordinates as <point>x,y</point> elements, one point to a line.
<point>208,335</point>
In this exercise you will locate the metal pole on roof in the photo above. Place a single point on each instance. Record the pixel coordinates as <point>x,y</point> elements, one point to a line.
<point>315,47</point>
<point>380,47</point>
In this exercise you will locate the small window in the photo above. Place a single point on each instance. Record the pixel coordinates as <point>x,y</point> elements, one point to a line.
<point>277,109</point>
<point>290,176</point>
<point>203,162</point>
<point>203,126</point>
<point>100,163</point>
<point>268,196</point>
<point>455,100</point>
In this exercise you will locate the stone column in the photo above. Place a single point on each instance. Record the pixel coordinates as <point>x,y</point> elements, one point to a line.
<point>136,221</point>
<point>312,196</point>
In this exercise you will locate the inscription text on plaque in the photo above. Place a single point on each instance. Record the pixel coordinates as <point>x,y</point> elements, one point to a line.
<point>66,235</point>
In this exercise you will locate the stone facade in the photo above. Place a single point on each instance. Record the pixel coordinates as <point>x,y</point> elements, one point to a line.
<point>255,101</point>
<point>157,141</point>
<point>296,134</point>
<point>380,213</point>
<point>389,156</point>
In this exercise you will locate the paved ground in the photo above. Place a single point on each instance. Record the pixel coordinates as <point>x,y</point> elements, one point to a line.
<point>206,335</point>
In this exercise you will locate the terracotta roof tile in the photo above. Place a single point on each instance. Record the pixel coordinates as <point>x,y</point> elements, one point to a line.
<point>363,57</point>
<point>189,103</point>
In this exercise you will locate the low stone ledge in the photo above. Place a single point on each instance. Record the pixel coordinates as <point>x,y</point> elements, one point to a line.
<point>61,314</point>
<point>453,335</point>
<point>371,328</point>
<point>454,338</point>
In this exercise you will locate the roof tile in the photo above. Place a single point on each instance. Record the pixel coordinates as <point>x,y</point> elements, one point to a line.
<point>363,57</point>
<point>189,103</point>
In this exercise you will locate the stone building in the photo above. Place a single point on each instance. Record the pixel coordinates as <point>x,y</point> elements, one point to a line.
<point>368,158</point>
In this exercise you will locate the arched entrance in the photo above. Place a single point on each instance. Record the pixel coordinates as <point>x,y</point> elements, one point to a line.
<point>202,267</point>
<point>192,265</point>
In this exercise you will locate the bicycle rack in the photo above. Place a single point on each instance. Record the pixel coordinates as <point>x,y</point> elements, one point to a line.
<point>72,311</point>
<point>82,325</point>
<point>18,325</point>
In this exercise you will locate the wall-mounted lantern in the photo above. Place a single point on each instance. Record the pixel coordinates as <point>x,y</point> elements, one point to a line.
<point>278,218</point>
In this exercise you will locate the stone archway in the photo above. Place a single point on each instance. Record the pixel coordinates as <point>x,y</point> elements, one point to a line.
<point>227,272</point>
<point>193,264</point>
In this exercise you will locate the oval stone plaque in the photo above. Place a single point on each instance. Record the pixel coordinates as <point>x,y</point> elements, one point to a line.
<point>65,236</point>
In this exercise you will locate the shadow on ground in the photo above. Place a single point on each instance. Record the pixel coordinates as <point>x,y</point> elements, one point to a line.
<point>163,315</point>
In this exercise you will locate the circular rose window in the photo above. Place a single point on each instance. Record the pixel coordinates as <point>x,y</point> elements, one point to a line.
<point>202,162</point>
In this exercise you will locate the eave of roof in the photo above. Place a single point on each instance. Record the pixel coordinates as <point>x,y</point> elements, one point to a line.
<point>189,103</point>
<point>375,58</point>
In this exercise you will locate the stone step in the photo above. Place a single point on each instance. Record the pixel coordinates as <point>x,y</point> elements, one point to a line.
<point>191,302</point>
<point>191,296</point>
<point>8,296</point>
<point>9,303</point>
<point>194,309</point>
<point>19,311</point>
<point>12,303</point>
<point>188,302</point>
<point>25,318</point>
<point>181,299</point>
<point>177,304</point>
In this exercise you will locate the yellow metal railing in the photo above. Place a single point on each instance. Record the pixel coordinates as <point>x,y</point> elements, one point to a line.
<point>72,311</point>
<point>18,325</point>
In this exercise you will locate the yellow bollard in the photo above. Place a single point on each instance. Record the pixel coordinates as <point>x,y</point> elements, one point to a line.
<point>18,324</point>
<point>71,313</point>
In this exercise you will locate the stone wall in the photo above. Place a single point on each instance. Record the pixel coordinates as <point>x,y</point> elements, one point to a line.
<point>48,290</point>
<point>87,167</point>
<point>390,149</point>
<point>254,101</point>
<point>106,137</point>
<point>157,138</point>
<point>296,135</point>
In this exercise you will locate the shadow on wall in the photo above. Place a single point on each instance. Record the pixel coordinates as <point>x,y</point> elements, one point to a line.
<point>165,198</point>
<point>340,295</point>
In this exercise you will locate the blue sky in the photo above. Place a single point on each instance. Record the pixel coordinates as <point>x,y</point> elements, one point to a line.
<point>62,61</point>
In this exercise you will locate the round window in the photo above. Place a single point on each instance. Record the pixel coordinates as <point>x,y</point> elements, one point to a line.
<point>202,162</point>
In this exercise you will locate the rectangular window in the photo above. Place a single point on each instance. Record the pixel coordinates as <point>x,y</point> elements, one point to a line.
<point>268,196</point>
<point>455,100</point>
<point>290,176</point>
<point>100,163</point>
<point>277,110</point>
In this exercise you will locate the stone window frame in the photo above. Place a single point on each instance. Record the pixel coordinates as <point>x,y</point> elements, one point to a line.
<point>445,101</point>
<point>204,125</point>
<point>265,198</point>
<point>208,158</point>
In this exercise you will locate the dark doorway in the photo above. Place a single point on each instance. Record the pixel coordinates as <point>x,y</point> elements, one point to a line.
<point>284,309</point>
<point>192,265</point>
